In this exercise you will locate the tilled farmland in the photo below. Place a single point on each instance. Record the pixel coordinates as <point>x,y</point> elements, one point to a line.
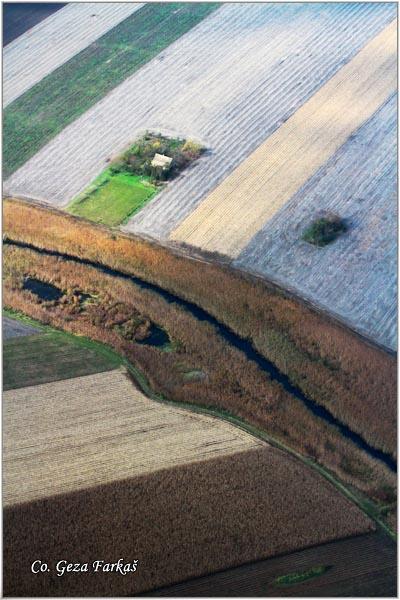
<point>258,63</point>
<point>356,276</point>
<point>262,66</point>
<point>227,219</point>
<point>101,451</point>
<point>112,431</point>
<point>373,573</point>
<point>27,59</point>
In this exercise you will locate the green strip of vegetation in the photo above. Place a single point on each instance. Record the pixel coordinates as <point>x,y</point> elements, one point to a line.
<point>131,180</point>
<point>52,355</point>
<point>113,198</point>
<point>373,511</point>
<point>294,578</point>
<point>42,112</point>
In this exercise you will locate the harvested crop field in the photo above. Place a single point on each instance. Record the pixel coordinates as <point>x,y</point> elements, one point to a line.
<point>13,328</point>
<point>50,356</point>
<point>227,219</point>
<point>361,566</point>
<point>48,107</point>
<point>258,64</point>
<point>113,432</point>
<point>125,479</point>
<point>28,60</point>
<point>356,276</point>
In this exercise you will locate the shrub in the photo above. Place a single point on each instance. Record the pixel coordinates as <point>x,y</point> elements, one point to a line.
<point>324,230</point>
<point>137,159</point>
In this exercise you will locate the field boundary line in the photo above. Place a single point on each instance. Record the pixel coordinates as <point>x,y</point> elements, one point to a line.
<point>229,217</point>
<point>140,380</point>
<point>26,60</point>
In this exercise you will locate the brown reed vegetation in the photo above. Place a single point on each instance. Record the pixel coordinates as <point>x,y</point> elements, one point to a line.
<point>179,523</point>
<point>231,382</point>
<point>332,365</point>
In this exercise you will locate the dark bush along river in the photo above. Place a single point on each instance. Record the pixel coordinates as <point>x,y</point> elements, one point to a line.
<point>234,340</point>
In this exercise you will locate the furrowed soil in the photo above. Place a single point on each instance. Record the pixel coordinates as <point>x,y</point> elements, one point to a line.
<point>330,364</point>
<point>28,60</point>
<point>178,523</point>
<point>356,275</point>
<point>229,380</point>
<point>362,566</point>
<point>44,110</point>
<point>98,428</point>
<point>226,220</point>
<point>18,17</point>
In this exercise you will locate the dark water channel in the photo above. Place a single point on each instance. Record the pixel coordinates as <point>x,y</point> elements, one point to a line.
<point>235,340</point>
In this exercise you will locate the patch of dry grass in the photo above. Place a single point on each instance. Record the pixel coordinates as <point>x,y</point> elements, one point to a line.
<point>231,382</point>
<point>329,363</point>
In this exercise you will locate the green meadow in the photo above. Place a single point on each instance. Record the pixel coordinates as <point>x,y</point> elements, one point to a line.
<point>51,356</point>
<point>113,198</point>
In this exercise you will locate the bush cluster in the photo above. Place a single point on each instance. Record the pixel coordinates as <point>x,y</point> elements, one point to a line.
<point>324,230</point>
<point>137,160</point>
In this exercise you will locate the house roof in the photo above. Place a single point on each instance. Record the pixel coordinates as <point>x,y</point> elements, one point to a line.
<point>160,160</point>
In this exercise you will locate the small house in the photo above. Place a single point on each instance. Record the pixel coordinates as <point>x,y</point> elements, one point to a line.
<point>162,161</point>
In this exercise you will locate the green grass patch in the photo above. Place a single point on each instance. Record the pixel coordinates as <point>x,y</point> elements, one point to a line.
<point>131,181</point>
<point>34,118</point>
<point>52,356</point>
<point>113,198</point>
<point>294,578</point>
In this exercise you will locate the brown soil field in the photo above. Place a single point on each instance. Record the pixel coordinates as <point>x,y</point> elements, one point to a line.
<point>197,367</point>
<point>90,430</point>
<point>178,523</point>
<point>332,365</point>
<point>362,566</point>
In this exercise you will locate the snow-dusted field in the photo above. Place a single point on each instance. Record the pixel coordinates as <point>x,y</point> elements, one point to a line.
<point>230,82</point>
<point>55,40</point>
<point>356,276</point>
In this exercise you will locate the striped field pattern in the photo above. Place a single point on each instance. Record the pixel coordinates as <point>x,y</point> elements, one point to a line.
<point>91,430</point>
<point>255,84</point>
<point>227,220</point>
<point>230,82</point>
<point>355,277</point>
<point>55,40</point>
